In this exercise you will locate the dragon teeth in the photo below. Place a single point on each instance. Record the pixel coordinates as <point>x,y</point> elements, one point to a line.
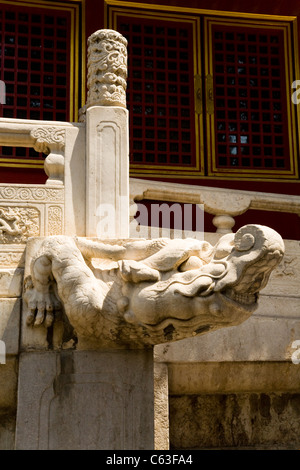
<point>242,298</point>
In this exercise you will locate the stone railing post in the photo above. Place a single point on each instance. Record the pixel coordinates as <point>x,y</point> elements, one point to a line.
<point>107,148</point>
<point>223,223</point>
<point>51,141</point>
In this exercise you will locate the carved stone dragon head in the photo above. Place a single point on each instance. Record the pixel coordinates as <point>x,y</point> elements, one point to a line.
<point>222,292</point>
<point>151,291</point>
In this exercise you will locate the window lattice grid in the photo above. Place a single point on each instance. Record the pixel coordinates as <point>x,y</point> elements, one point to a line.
<point>35,53</point>
<point>34,63</point>
<point>249,90</point>
<point>160,92</point>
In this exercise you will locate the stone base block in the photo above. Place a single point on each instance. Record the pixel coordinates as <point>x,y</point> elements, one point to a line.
<point>10,324</point>
<point>85,400</point>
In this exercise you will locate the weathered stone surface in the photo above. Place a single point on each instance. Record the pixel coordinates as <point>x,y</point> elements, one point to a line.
<point>217,201</point>
<point>7,431</point>
<point>232,377</point>
<point>285,279</point>
<point>161,407</point>
<point>241,421</point>
<point>261,338</point>
<point>8,402</point>
<point>101,400</point>
<point>10,310</point>
<point>8,385</point>
<point>11,282</point>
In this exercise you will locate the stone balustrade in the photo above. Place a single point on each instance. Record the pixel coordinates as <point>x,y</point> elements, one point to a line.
<point>224,204</point>
<point>48,137</point>
<point>64,145</point>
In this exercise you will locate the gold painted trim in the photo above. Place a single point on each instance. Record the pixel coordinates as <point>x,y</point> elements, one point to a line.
<point>297,77</point>
<point>11,165</point>
<point>37,4</point>
<point>197,11</point>
<point>135,166</point>
<point>21,160</point>
<point>83,52</point>
<point>195,176</point>
<point>23,164</point>
<point>72,59</point>
<point>240,172</point>
<point>166,172</point>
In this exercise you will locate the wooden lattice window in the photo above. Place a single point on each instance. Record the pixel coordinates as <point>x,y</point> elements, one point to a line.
<point>35,63</point>
<point>249,81</point>
<point>210,95</point>
<point>159,95</point>
<point>162,63</point>
<point>37,66</point>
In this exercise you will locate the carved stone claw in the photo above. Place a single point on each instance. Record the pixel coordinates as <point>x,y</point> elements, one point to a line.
<point>43,306</point>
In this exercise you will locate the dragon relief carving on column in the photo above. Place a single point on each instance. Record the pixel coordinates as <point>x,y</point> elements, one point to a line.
<point>107,69</point>
<point>18,223</point>
<point>137,293</point>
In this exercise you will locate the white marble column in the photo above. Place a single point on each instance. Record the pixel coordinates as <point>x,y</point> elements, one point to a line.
<point>107,137</point>
<point>107,172</point>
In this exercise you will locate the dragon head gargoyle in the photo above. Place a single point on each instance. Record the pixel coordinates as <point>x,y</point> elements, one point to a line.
<point>146,292</point>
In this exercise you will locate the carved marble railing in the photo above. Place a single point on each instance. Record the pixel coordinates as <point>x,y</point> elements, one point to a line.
<point>224,204</point>
<point>39,209</point>
<point>49,137</point>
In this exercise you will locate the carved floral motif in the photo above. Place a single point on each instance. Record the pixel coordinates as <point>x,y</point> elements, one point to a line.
<point>51,141</point>
<point>47,137</point>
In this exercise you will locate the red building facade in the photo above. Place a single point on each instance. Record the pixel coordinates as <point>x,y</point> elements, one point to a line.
<point>212,89</point>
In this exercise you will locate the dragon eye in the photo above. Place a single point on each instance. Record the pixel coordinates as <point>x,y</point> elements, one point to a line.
<point>245,243</point>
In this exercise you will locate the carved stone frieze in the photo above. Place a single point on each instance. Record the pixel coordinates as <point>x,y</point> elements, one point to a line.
<point>107,69</point>
<point>30,211</point>
<point>18,223</point>
<point>11,258</point>
<point>16,193</point>
<point>137,293</point>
